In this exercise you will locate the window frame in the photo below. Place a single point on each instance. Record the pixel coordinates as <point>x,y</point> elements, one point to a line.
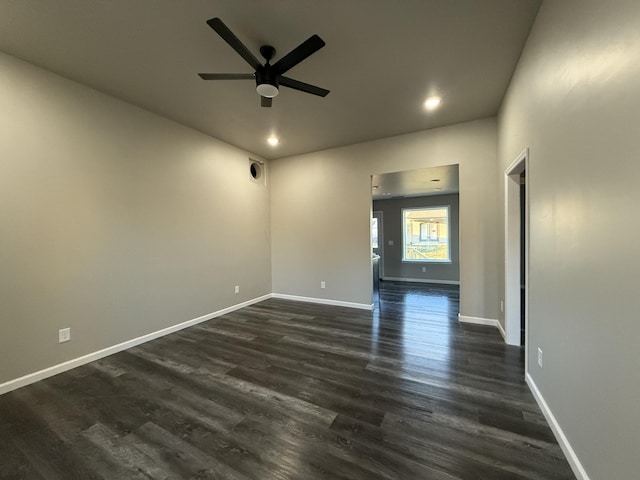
<point>447,208</point>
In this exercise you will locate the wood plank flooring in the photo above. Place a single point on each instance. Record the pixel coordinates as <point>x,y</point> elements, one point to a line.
<point>288,390</point>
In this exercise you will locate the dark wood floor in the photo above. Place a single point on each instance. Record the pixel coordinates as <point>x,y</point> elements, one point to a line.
<point>286,390</point>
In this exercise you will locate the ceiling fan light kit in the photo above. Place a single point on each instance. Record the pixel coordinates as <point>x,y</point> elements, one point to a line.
<point>268,77</point>
<point>267,89</point>
<point>266,81</point>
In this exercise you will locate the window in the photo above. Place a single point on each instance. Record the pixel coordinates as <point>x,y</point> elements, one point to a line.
<point>425,234</point>
<point>374,232</point>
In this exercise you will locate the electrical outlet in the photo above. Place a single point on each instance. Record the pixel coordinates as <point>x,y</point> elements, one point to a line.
<point>64,335</point>
<point>237,289</point>
<point>391,243</point>
<point>501,306</point>
<point>539,357</point>
<point>323,285</point>
<point>424,269</point>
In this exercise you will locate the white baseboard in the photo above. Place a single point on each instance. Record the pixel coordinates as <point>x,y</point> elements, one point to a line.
<point>105,352</point>
<point>421,280</point>
<point>323,301</point>
<point>572,458</point>
<point>91,357</point>
<point>492,322</point>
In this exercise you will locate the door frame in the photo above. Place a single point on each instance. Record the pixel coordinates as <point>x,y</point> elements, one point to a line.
<point>512,312</point>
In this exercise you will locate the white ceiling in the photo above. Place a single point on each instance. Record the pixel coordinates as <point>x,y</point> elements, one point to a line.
<point>441,180</point>
<point>382,59</point>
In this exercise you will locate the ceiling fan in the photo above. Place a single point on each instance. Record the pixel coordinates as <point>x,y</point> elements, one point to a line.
<point>268,77</point>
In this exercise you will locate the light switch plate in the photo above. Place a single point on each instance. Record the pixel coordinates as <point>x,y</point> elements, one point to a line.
<point>64,335</point>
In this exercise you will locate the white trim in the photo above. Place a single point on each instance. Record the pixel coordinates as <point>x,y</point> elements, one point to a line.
<point>574,462</point>
<point>515,165</point>
<point>421,280</point>
<point>323,301</point>
<point>91,357</point>
<point>512,254</point>
<point>492,322</point>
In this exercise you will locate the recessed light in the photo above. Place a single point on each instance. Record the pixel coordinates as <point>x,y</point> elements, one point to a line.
<point>437,188</point>
<point>273,140</point>
<point>435,180</point>
<point>432,103</point>
<point>386,194</point>
<point>376,187</point>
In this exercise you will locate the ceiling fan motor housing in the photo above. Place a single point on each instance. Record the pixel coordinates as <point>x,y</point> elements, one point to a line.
<point>267,77</point>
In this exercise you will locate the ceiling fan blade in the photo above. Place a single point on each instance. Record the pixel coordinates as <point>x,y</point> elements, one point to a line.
<point>233,41</point>
<point>227,76</point>
<point>303,87</point>
<point>265,101</point>
<point>298,54</point>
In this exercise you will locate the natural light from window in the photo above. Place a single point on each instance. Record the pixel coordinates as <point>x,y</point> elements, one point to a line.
<point>425,233</point>
<point>374,232</point>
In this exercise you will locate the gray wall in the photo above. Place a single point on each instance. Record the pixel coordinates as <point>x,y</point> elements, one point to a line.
<point>575,102</point>
<point>394,267</point>
<point>321,208</point>
<point>114,222</point>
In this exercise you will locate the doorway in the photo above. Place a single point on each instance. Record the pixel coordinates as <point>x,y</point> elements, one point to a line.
<point>416,249</point>
<point>516,251</point>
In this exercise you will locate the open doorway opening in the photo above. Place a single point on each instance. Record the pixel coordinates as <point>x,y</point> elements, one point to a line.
<point>516,251</point>
<point>417,216</point>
